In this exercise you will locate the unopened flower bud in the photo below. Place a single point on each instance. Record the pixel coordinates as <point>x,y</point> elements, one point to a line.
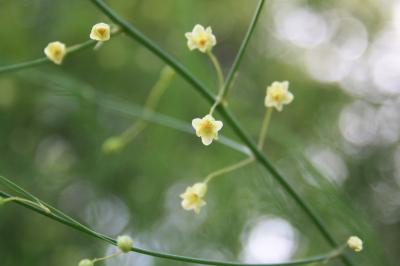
<point>124,243</point>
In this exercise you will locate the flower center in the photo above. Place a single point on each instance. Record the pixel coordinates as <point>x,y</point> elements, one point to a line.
<point>56,52</point>
<point>277,95</point>
<point>202,40</point>
<point>101,31</point>
<point>193,198</point>
<point>207,127</point>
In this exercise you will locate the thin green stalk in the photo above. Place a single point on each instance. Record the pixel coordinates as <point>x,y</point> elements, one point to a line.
<point>70,50</point>
<point>264,128</point>
<point>229,119</point>
<point>235,66</point>
<point>228,169</point>
<point>152,100</point>
<point>221,81</point>
<point>106,257</point>
<point>37,204</point>
<point>76,225</point>
<point>218,69</point>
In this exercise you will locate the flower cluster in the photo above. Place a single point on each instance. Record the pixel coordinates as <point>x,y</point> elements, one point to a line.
<point>56,51</point>
<point>207,128</point>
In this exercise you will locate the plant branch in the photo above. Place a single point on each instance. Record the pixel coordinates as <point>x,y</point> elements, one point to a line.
<point>228,169</point>
<point>70,50</point>
<point>200,87</point>
<point>66,220</point>
<point>235,66</point>
<point>264,128</point>
<point>218,69</point>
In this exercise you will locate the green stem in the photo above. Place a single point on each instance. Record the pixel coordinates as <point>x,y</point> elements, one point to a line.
<point>76,225</point>
<point>106,257</point>
<point>152,100</point>
<point>70,50</point>
<point>228,169</point>
<point>264,128</point>
<point>218,69</point>
<point>37,204</point>
<point>192,80</point>
<point>221,81</point>
<point>235,66</point>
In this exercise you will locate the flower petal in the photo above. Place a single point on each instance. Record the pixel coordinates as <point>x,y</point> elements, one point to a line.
<point>206,140</point>
<point>218,125</point>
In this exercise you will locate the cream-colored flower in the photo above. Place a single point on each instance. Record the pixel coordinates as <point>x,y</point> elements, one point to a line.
<point>85,262</point>
<point>200,38</point>
<point>100,32</point>
<point>207,128</point>
<point>124,243</point>
<point>355,243</point>
<point>278,94</point>
<point>192,198</point>
<point>55,51</point>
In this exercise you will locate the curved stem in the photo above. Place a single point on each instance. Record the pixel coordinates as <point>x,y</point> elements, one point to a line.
<point>152,100</point>
<point>264,128</point>
<point>70,50</point>
<point>220,75</point>
<point>76,225</point>
<point>228,169</point>
<point>260,157</point>
<point>37,204</point>
<point>218,69</point>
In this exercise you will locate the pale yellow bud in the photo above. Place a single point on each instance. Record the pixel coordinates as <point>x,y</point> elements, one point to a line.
<point>355,243</point>
<point>124,243</point>
<point>55,51</point>
<point>100,32</point>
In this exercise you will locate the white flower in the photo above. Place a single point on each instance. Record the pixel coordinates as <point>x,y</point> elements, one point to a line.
<point>124,243</point>
<point>207,128</point>
<point>192,198</point>
<point>278,94</point>
<point>201,39</point>
<point>355,243</point>
<point>55,51</point>
<point>100,32</point>
<point>86,262</point>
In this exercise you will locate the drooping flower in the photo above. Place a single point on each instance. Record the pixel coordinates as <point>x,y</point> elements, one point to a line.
<point>278,94</point>
<point>355,243</point>
<point>207,128</point>
<point>55,51</point>
<point>201,39</point>
<point>124,243</point>
<point>100,32</point>
<point>192,198</point>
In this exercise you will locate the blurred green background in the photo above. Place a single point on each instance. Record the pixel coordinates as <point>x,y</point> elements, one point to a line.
<point>337,143</point>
